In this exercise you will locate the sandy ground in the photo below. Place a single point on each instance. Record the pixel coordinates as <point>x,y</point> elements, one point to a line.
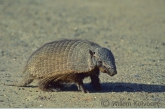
<point>133,30</point>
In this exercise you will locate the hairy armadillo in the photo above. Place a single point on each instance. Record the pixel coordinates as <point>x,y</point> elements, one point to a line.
<point>68,61</point>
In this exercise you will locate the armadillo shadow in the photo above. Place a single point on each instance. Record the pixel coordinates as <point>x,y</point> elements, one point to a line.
<point>123,87</point>
<point>131,87</point>
<point>118,87</point>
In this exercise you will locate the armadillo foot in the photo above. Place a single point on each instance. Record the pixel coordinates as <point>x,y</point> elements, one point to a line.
<point>55,90</point>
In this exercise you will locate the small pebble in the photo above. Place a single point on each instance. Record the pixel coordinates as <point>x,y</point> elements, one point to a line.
<point>141,64</point>
<point>136,76</point>
<point>163,43</point>
<point>1,101</point>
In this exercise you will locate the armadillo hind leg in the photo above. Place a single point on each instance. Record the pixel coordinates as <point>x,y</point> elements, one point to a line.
<point>48,84</point>
<point>44,85</point>
<point>95,82</point>
<point>56,86</point>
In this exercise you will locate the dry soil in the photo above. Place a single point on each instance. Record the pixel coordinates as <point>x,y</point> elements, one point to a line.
<point>133,29</point>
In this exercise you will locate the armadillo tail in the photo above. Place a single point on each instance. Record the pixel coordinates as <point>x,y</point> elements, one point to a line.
<point>25,82</point>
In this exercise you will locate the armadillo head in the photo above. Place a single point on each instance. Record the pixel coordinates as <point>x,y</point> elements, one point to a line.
<point>104,60</point>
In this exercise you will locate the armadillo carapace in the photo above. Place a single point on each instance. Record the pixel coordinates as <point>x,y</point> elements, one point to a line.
<point>68,61</point>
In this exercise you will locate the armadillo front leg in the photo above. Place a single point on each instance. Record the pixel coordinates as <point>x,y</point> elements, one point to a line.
<point>95,82</point>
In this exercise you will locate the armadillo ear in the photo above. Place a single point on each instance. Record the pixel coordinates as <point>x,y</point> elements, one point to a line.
<point>91,52</point>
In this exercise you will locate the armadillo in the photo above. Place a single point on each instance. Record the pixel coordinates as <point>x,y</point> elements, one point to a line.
<point>68,61</point>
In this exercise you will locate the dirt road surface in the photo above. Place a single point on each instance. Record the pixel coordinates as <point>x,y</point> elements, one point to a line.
<point>133,30</point>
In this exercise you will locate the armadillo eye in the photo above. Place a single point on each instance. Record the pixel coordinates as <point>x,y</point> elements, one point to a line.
<point>100,62</point>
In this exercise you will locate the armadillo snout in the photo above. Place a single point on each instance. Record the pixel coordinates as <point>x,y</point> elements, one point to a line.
<point>113,73</point>
<point>109,71</point>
